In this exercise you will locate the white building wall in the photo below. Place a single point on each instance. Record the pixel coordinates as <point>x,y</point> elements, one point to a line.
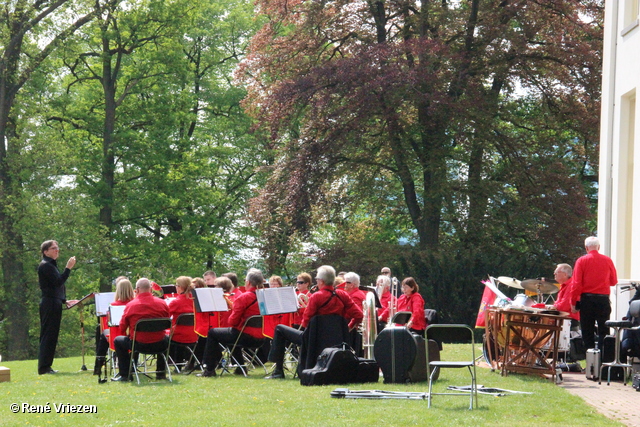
<point>619,179</point>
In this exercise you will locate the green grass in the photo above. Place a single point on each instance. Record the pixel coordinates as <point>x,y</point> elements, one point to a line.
<point>237,401</point>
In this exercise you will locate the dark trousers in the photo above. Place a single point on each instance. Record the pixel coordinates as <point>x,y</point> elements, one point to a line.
<point>281,337</point>
<point>123,351</point>
<point>50,318</point>
<point>225,336</point>
<point>594,309</point>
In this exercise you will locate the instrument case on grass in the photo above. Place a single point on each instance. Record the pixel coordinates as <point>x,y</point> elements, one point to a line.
<point>368,371</point>
<point>395,350</point>
<point>592,368</point>
<point>418,371</point>
<point>335,365</point>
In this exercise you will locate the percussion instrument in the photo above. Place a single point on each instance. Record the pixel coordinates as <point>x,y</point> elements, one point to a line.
<point>522,300</point>
<point>510,281</point>
<point>541,286</point>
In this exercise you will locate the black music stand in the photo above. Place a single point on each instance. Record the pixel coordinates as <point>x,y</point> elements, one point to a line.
<point>80,303</point>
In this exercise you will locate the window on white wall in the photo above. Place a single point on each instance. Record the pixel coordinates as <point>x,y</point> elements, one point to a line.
<point>631,10</point>
<point>627,176</point>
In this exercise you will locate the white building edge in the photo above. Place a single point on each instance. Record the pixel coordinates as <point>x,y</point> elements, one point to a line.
<point>619,179</point>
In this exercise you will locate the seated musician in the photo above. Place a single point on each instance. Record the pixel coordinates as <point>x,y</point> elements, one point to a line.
<point>245,306</point>
<point>183,303</point>
<point>202,322</point>
<point>352,287</point>
<point>234,281</point>
<point>562,275</point>
<point>227,288</point>
<point>325,301</point>
<point>269,322</point>
<point>143,306</point>
<point>383,287</point>
<point>303,284</point>
<point>124,294</point>
<point>412,301</point>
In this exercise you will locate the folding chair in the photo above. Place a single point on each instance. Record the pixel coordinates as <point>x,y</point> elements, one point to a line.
<point>149,325</point>
<point>185,319</point>
<point>249,358</point>
<point>452,333</point>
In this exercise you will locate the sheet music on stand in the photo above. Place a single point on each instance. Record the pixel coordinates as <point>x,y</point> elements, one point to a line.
<point>81,300</point>
<point>103,299</point>
<point>277,300</point>
<point>207,300</point>
<point>115,314</point>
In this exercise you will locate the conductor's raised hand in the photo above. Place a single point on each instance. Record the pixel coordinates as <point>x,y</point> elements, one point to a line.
<point>71,263</point>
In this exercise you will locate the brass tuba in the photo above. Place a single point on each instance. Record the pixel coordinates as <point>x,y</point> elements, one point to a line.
<point>369,324</point>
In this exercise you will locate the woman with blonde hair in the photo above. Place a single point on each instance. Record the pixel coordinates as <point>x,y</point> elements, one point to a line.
<point>124,294</point>
<point>182,334</point>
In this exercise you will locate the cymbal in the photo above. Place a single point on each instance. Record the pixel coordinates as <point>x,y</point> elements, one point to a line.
<point>546,286</point>
<point>512,282</point>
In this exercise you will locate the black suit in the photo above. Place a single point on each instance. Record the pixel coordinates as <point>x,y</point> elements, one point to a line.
<point>53,297</point>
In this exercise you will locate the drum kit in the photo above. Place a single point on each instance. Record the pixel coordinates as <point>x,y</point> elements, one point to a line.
<point>539,286</point>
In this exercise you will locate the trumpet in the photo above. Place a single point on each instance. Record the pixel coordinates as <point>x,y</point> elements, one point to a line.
<point>393,302</point>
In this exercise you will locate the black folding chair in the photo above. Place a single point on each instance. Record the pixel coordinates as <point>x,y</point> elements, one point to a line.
<point>249,359</point>
<point>185,319</point>
<point>149,325</point>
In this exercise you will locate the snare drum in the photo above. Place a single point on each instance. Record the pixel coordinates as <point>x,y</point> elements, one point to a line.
<point>521,300</point>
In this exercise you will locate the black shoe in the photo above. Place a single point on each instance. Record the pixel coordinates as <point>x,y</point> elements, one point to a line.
<point>278,374</point>
<point>161,376</point>
<point>49,371</point>
<point>207,373</point>
<point>238,371</point>
<point>120,378</point>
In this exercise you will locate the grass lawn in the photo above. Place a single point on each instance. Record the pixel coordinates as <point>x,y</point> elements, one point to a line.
<point>238,401</point>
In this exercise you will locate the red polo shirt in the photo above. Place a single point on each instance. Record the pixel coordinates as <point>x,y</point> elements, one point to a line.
<point>594,273</point>
<point>325,302</point>
<point>143,306</point>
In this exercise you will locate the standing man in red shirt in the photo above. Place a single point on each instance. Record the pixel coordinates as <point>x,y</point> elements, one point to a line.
<point>593,276</point>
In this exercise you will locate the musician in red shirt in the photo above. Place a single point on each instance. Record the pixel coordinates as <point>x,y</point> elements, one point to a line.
<point>124,294</point>
<point>387,299</point>
<point>326,300</point>
<point>183,303</point>
<point>593,276</point>
<point>352,287</point>
<point>143,306</point>
<point>245,306</point>
<point>303,283</point>
<point>412,301</point>
<point>563,274</point>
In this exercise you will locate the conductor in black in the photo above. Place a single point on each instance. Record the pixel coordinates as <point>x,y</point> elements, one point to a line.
<point>54,295</point>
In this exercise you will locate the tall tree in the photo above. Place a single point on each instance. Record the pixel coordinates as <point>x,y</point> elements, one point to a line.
<point>167,129</point>
<point>428,92</point>
<point>29,32</point>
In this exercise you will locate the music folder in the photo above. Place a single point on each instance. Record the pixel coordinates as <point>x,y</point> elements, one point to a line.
<point>277,300</point>
<point>169,289</point>
<point>115,314</point>
<point>103,299</point>
<point>209,299</point>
